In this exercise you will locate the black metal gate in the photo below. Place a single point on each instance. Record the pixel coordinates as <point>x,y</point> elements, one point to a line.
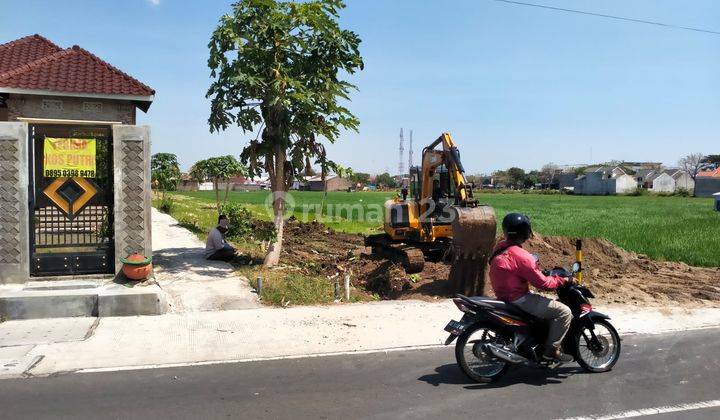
<point>71,211</point>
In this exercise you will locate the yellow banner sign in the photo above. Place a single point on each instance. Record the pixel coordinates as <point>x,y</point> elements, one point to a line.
<point>69,158</point>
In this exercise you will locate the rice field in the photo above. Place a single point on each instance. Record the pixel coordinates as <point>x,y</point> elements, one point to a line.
<point>684,229</point>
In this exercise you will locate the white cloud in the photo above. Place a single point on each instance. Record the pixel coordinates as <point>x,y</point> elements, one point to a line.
<point>154,2</point>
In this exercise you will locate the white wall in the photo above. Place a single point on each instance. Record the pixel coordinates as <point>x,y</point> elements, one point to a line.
<point>663,184</point>
<point>685,181</point>
<point>625,184</point>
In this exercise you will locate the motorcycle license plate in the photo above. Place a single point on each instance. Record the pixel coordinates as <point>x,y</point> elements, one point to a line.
<point>455,327</point>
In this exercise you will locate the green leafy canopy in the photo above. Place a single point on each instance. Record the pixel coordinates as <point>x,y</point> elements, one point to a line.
<point>165,171</point>
<point>276,65</point>
<point>217,169</point>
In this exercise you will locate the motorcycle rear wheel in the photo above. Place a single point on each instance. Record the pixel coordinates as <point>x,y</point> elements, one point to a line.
<point>477,365</point>
<point>597,359</point>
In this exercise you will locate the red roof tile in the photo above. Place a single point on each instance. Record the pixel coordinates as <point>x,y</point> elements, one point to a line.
<point>712,174</point>
<point>35,63</point>
<point>24,50</point>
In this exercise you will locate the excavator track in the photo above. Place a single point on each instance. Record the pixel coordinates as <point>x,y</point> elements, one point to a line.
<point>411,258</point>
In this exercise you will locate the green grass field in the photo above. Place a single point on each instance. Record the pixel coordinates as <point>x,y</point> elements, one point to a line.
<point>664,228</point>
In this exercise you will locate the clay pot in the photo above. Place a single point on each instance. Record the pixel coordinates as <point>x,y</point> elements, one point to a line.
<point>137,267</point>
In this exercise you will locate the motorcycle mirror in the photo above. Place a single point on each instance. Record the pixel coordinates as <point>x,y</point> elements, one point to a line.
<point>576,267</point>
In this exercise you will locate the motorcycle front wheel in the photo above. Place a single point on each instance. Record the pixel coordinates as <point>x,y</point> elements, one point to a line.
<point>473,361</point>
<point>597,348</point>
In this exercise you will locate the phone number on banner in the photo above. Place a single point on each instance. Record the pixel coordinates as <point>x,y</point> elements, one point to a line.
<point>69,173</point>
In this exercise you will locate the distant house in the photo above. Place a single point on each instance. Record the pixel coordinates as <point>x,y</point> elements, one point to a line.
<point>609,171</point>
<point>315,183</point>
<point>639,166</point>
<point>251,184</point>
<point>606,180</point>
<point>566,180</point>
<point>205,186</point>
<point>334,183</point>
<point>599,183</point>
<point>707,183</point>
<point>670,180</point>
<point>187,183</point>
<point>663,183</point>
<point>644,177</point>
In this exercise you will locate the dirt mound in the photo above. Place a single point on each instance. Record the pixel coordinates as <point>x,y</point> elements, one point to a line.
<point>319,249</point>
<point>613,274</point>
<point>619,276</point>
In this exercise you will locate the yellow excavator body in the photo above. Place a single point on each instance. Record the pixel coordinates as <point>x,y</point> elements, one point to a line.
<point>436,214</point>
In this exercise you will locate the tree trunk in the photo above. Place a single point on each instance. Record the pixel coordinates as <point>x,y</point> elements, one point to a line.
<point>217,195</point>
<point>278,186</point>
<point>227,189</point>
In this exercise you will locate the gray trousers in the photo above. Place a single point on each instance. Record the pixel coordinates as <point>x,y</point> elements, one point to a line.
<point>557,313</point>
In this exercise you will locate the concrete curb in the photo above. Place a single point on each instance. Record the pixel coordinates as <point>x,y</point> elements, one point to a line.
<point>236,336</point>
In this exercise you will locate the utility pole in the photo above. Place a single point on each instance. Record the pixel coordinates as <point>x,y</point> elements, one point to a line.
<point>401,163</point>
<point>410,153</point>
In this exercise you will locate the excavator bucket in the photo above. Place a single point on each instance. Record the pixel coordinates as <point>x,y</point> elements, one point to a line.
<point>474,231</point>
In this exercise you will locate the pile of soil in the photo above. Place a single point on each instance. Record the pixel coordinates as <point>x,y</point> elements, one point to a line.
<point>618,276</point>
<point>613,274</point>
<point>317,249</point>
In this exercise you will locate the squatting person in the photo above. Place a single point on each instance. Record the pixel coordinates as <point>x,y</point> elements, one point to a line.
<point>217,247</point>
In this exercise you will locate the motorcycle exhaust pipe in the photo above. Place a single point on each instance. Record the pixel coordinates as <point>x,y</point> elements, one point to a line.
<point>504,354</point>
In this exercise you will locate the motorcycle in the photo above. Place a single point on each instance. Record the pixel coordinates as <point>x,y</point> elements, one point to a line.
<point>493,335</point>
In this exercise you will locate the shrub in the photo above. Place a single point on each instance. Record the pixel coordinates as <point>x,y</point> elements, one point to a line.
<point>166,204</point>
<point>241,220</point>
<point>683,192</point>
<point>638,192</point>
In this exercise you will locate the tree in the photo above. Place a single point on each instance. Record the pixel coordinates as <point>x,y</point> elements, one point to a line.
<point>516,176</point>
<point>692,164</point>
<point>218,169</point>
<point>276,66</point>
<point>165,172</point>
<point>531,179</point>
<point>385,180</point>
<point>711,160</point>
<point>359,178</point>
<point>501,178</point>
<point>549,173</point>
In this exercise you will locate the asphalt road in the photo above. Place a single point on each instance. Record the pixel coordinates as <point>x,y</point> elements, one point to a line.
<point>654,371</point>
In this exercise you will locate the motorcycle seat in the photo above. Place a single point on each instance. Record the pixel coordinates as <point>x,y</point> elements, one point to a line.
<point>498,304</point>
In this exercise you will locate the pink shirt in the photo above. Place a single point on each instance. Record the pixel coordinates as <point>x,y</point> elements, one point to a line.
<point>513,270</point>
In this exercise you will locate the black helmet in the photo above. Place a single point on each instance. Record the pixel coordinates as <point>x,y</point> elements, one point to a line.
<point>517,226</point>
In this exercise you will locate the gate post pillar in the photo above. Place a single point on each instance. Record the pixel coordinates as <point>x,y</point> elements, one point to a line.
<point>14,215</point>
<point>131,169</point>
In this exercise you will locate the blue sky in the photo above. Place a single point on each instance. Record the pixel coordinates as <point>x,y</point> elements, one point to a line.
<point>515,85</point>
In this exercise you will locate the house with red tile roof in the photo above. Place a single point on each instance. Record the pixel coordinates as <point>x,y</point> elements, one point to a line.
<point>40,82</point>
<point>75,178</point>
<point>707,183</point>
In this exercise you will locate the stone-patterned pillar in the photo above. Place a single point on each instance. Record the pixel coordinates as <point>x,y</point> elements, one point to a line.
<point>131,160</point>
<point>14,216</point>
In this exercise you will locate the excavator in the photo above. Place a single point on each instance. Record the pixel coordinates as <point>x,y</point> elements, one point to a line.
<point>439,219</point>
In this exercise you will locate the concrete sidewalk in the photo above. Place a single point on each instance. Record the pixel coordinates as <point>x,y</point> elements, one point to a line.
<point>191,282</point>
<point>264,333</point>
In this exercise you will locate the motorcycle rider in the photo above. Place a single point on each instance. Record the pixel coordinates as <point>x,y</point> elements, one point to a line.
<point>512,269</point>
